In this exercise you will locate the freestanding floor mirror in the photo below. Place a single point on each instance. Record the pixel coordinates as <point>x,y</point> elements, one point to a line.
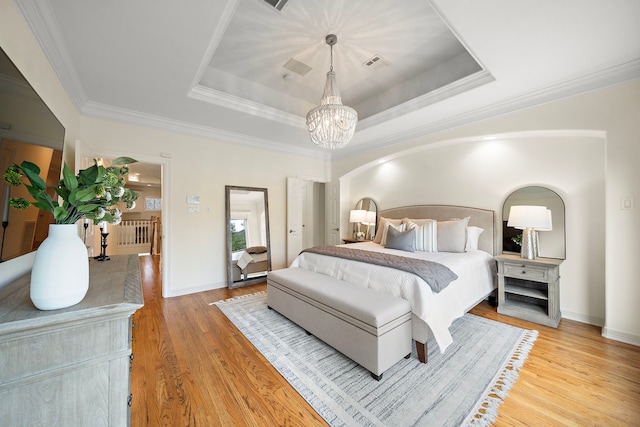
<point>248,241</point>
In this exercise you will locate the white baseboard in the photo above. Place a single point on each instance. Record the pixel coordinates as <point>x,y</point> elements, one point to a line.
<point>621,336</point>
<point>583,318</point>
<point>195,289</point>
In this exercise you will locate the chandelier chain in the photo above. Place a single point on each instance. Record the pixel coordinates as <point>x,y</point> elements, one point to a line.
<point>331,67</point>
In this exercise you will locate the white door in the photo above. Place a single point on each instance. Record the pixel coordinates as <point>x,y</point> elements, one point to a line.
<point>332,213</point>
<point>296,204</point>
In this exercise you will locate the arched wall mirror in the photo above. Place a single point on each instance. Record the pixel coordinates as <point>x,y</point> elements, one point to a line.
<point>551,243</point>
<point>248,241</point>
<point>29,132</point>
<point>364,220</point>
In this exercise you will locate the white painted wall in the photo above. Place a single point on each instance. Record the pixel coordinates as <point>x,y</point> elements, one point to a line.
<point>472,172</point>
<point>194,243</point>
<point>614,111</point>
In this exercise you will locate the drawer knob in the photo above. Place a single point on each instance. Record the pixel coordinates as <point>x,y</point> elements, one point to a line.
<point>524,272</point>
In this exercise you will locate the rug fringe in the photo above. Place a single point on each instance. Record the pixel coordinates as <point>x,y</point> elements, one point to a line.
<point>487,411</point>
<point>224,301</point>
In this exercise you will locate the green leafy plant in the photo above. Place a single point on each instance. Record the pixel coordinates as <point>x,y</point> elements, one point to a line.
<point>517,239</point>
<point>94,193</point>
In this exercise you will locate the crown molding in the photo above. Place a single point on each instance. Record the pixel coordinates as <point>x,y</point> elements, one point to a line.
<point>237,103</point>
<point>42,23</point>
<point>142,119</point>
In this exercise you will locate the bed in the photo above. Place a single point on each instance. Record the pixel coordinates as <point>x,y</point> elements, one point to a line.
<point>433,311</point>
<point>249,261</point>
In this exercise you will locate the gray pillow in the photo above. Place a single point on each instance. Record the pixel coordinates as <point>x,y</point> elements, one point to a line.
<point>452,235</point>
<point>402,240</point>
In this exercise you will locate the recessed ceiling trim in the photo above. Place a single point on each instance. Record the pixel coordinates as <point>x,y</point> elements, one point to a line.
<point>459,86</point>
<point>220,29</point>
<point>226,100</point>
<point>612,76</point>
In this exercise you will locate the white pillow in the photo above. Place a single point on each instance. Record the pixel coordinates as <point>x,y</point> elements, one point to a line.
<point>473,234</point>
<point>383,239</point>
<point>426,235</point>
<point>381,222</point>
<point>452,235</point>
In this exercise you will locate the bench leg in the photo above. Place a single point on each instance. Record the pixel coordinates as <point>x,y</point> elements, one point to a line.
<point>407,356</point>
<point>421,348</point>
<point>376,377</point>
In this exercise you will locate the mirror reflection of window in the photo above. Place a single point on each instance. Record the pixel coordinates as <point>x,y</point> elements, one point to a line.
<point>238,235</point>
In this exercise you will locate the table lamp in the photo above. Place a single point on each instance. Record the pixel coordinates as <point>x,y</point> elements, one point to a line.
<point>529,219</point>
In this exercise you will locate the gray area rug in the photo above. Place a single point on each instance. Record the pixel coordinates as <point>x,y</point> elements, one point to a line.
<point>464,386</point>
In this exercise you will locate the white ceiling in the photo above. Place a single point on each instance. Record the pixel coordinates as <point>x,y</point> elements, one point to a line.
<point>215,68</point>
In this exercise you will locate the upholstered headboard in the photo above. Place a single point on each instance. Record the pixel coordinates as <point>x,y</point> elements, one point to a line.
<point>479,217</point>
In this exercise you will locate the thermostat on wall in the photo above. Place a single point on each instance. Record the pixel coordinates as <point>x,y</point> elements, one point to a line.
<point>193,199</point>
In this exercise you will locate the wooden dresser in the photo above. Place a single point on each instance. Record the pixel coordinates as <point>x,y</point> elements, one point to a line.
<point>70,367</point>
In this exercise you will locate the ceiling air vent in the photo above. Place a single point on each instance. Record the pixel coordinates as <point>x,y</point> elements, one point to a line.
<point>277,4</point>
<point>297,67</point>
<point>376,62</point>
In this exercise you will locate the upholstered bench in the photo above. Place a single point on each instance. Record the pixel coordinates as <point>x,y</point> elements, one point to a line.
<point>371,328</point>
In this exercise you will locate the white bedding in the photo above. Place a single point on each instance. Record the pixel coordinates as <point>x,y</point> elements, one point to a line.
<point>476,279</point>
<point>246,258</point>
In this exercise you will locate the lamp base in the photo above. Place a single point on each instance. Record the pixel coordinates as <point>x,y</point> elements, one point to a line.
<point>529,243</point>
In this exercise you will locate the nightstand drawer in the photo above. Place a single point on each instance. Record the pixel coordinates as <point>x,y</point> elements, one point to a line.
<point>523,271</point>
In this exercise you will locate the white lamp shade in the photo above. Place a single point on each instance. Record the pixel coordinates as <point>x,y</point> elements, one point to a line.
<point>357,215</point>
<point>371,218</point>
<point>524,216</point>
<point>548,225</point>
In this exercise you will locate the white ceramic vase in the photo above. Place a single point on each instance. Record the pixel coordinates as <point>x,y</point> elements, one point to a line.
<point>60,274</point>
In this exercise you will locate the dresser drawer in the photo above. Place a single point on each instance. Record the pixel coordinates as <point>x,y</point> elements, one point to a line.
<point>528,272</point>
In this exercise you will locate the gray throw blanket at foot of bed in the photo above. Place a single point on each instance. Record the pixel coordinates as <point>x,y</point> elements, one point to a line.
<point>436,275</point>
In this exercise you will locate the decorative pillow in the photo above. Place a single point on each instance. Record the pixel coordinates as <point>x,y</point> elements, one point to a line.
<point>426,234</point>
<point>385,231</point>
<point>452,235</point>
<point>402,240</point>
<point>473,234</point>
<point>381,222</point>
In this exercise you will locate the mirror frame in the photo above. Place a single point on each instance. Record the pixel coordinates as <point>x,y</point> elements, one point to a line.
<point>366,204</point>
<point>559,221</point>
<point>228,189</point>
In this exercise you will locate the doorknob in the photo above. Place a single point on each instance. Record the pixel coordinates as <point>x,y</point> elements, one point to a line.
<point>336,229</point>
<point>291,231</point>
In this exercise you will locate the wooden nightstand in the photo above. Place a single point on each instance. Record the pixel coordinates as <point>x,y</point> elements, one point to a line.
<point>529,288</point>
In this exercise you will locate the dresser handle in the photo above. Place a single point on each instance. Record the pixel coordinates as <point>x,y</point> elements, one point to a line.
<point>130,400</point>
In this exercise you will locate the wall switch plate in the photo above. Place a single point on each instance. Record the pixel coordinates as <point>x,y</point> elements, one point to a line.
<point>193,208</point>
<point>626,203</point>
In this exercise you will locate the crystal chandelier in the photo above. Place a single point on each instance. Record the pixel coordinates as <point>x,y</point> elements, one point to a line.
<point>331,125</point>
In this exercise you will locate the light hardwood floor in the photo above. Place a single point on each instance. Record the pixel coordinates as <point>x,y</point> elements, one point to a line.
<point>192,367</point>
